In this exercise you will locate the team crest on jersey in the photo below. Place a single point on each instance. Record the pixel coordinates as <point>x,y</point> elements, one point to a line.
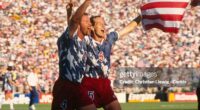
<point>101,56</point>
<point>63,105</point>
<point>91,94</point>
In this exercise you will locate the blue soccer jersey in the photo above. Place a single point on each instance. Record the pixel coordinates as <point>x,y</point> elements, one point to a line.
<point>98,62</point>
<point>7,86</point>
<point>72,57</point>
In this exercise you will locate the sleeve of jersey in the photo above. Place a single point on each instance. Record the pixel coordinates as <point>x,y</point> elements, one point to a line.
<point>112,37</point>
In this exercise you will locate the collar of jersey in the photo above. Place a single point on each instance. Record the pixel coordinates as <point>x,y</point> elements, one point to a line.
<point>100,43</point>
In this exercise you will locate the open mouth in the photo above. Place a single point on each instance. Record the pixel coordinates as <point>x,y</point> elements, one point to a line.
<point>102,30</point>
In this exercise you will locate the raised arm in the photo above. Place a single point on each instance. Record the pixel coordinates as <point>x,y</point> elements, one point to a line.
<point>76,18</point>
<point>69,11</point>
<point>130,27</point>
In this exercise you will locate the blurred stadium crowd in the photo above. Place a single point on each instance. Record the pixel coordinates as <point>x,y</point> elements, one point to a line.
<point>29,30</point>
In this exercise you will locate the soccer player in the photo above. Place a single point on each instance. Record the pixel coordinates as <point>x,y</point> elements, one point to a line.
<point>96,78</point>
<point>32,81</point>
<point>68,93</point>
<point>8,83</point>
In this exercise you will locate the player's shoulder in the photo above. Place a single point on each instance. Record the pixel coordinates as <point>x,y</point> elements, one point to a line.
<point>65,34</point>
<point>113,34</point>
<point>112,37</point>
<point>64,37</point>
<point>88,40</point>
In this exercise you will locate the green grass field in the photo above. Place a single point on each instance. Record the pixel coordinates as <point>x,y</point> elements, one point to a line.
<point>126,106</point>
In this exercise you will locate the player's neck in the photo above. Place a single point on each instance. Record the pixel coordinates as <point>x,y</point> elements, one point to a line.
<point>80,34</point>
<point>98,39</point>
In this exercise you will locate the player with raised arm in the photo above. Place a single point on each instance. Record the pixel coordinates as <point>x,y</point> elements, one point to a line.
<point>96,78</point>
<point>68,93</point>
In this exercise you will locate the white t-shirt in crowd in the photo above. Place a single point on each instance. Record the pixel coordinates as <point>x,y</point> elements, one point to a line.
<point>32,79</point>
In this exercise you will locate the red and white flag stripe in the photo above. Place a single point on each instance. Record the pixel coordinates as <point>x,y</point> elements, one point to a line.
<point>163,14</point>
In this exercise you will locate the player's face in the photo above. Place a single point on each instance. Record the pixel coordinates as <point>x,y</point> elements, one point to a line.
<point>99,27</point>
<point>85,25</point>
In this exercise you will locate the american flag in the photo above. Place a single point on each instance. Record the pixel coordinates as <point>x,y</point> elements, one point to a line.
<point>163,14</point>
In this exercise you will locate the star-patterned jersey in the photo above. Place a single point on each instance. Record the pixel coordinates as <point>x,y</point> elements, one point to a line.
<point>98,62</point>
<point>7,86</point>
<point>72,57</point>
